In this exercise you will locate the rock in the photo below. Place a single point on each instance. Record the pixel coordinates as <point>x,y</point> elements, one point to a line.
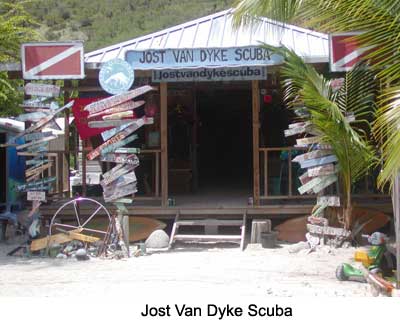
<point>157,239</point>
<point>81,254</point>
<point>295,248</point>
<point>62,256</point>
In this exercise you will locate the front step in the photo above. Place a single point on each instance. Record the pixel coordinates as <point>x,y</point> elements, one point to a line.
<point>209,223</point>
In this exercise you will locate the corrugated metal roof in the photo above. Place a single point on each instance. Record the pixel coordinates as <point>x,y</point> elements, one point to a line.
<point>216,31</point>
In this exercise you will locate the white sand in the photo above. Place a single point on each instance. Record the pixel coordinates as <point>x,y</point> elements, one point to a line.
<point>256,271</point>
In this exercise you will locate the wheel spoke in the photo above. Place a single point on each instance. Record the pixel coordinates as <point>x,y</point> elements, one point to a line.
<point>97,210</point>
<point>76,214</point>
<point>65,225</point>
<point>95,231</point>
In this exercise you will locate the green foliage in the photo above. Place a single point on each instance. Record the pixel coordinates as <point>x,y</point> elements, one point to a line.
<point>327,109</point>
<point>16,27</point>
<point>102,23</point>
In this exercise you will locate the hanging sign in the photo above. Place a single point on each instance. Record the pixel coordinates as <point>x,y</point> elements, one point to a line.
<point>210,74</point>
<point>201,57</point>
<point>116,76</point>
<point>52,60</point>
<point>46,90</point>
<point>36,196</point>
<point>345,51</point>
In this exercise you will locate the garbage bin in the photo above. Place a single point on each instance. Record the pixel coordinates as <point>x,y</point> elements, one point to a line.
<point>268,239</point>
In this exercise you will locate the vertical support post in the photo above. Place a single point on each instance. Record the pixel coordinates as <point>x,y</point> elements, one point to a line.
<point>256,140</point>
<point>84,168</point>
<point>164,143</point>
<point>66,186</point>
<point>290,183</point>
<point>265,173</point>
<point>124,220</point>
<point>396,210</point>
<point>157,179</point>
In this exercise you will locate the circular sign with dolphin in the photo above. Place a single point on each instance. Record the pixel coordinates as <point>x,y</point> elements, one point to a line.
<point>116,76</point>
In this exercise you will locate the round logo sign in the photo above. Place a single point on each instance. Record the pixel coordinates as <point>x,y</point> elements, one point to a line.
<point>116,76</point>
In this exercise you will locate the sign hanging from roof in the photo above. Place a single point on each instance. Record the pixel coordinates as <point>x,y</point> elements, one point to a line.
<point>52,60</point>
<point>345,52</point>
<point>116,76</point>
<point>201,57</point>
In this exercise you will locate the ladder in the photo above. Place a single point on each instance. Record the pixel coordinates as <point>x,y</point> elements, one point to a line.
<point>208,223</point>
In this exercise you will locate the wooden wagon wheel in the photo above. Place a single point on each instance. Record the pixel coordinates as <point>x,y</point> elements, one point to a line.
<point>83,216</point>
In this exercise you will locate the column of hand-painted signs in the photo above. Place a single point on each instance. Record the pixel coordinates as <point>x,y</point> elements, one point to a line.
<point>41,112</point>
<point>320,164</point>
<point>119,183</point>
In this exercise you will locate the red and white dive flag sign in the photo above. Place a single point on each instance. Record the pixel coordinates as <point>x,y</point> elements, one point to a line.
<point>345,52</point>
<point>53,60</point>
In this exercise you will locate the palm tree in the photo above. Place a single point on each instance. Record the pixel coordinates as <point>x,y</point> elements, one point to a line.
<point>327,110</point>
<point>379,22</point>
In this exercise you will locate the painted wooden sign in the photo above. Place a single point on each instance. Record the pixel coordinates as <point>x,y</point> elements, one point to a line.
<point>309,185</point>
<point>109,102</point>
<point>36,195</point>
<point>45,120</point>
<point>325,182</point>
<point>296,130</point>
<point>318,161</point>
<point>331,201</point>
<point>327,230</point>
<point>32,117</point>
<point>36,136</point>
<point>304,178</point>
<point>31,185</point>
<point>120,180</point>
<point>113,147</point>
<point>299,124</point>
<point>309,140</point>
<point>124,200</point>
<point>311,155</point>
<point>127,150</point>
<point>111,132</point>
<point>37,89</point>
<point>118,115</point>
<point>120,158</point>
<point>42,166</point>
<point>37,142</point>
<point>321,170</point>
<point>107,124</point>
<point>121,192</point>
<point>127,106</point>
<point>116,174</point>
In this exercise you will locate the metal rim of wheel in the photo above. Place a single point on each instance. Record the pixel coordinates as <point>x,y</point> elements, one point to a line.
<point>81,221</point>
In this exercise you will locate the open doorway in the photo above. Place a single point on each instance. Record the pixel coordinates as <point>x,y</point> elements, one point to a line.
<point>216,135</point>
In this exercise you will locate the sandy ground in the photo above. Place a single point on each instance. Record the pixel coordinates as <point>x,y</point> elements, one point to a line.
<point>220,270</point>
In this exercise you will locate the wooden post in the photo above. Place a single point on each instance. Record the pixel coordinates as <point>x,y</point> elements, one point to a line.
<point>396,210</point>
<point>256,140</point>
<point>258,227</point>
<point>164,143</point>
<point>66,186</point>
<point>84,168</point>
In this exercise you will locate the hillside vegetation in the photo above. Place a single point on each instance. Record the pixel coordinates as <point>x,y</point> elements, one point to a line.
<point>105,22</point>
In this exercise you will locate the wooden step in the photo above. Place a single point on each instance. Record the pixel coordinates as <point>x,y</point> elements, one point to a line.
<point>208,237</point>
<point>209,222</point>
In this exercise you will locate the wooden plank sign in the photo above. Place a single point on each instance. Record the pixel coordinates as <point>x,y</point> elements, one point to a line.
<point>107,123</point>
<point>127,106</point>
<point>299,124</point>
<point>109,102</point>
<point>36,136</point>
<point>111,132</point>
<point>296,130</point>
<point>121,192</point>
<point>120,158</point>
<point>327,230</point>
<point>127,150</point>
<point>37,169</point>
<point>331,201</point>
<point>309,185</point>
<point>121,180</point>
<point>322,170</point>
<point>36,195</point>
<point>31,185</point>
<point>326,181</point>
<point>118,115</point>
<point>311,155</point>
<point>318,162</point>
<point>116,145</point>
<point>116,174</point>
<point>46,90</point>
<point>304,178</point>
<point>37,142</point>
<point>35,116</point>
<point>118,137</point>
<point>309,140</point>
